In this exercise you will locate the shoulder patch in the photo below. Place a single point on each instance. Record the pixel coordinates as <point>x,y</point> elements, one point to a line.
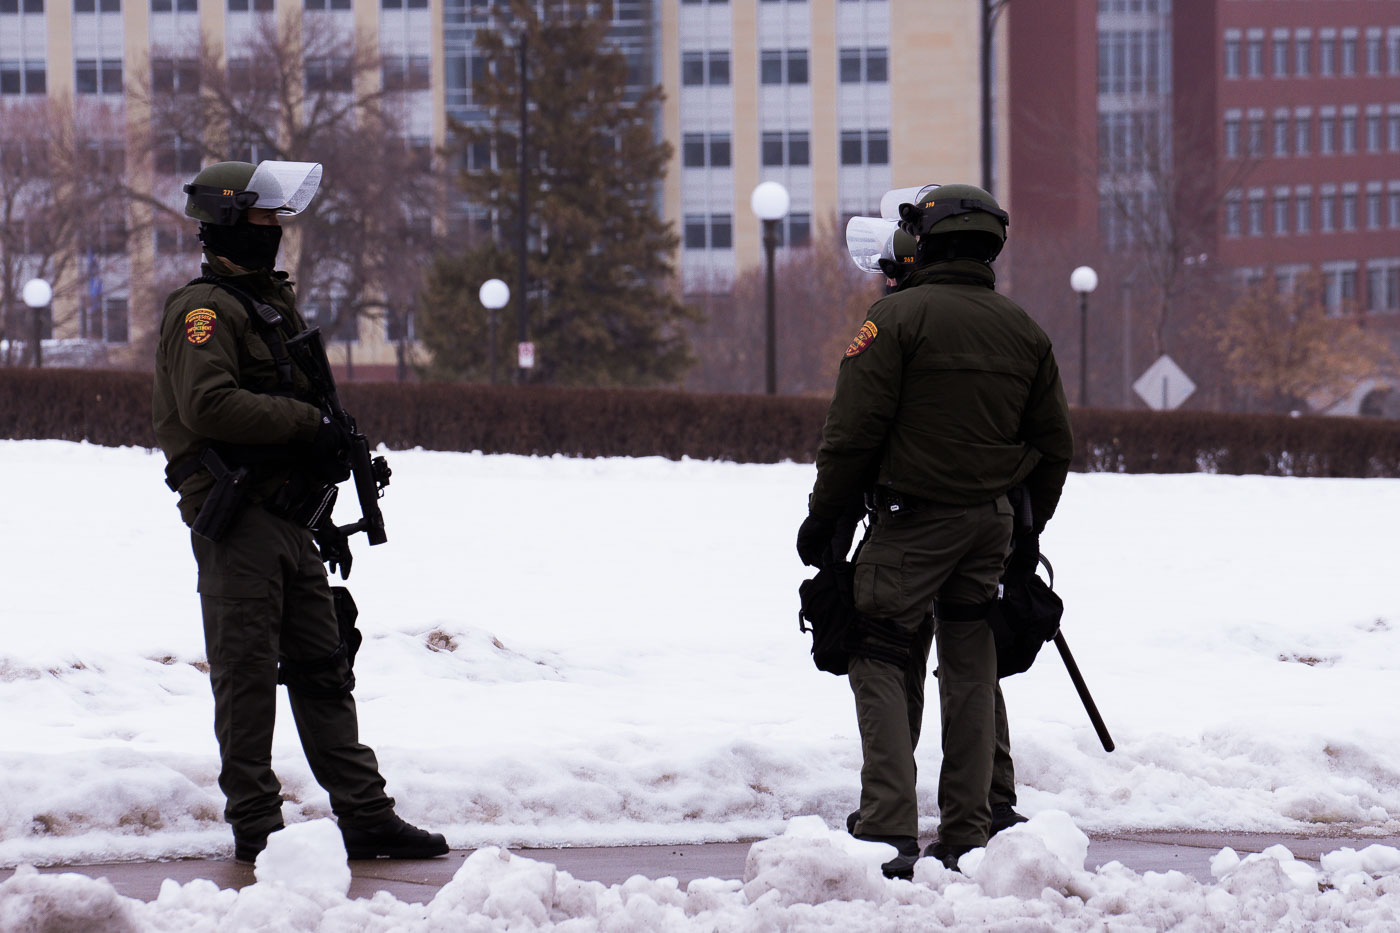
<point>199,325</point>
<point>863,340</point>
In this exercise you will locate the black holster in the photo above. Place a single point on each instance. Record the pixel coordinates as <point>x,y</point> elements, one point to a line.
<point>225,499</point>
<point>333,675</point>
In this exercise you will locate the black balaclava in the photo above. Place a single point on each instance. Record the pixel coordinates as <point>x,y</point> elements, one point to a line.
<point>252,246</point>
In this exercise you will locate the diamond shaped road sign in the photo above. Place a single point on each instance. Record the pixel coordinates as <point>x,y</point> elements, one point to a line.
<point>1164,386</point>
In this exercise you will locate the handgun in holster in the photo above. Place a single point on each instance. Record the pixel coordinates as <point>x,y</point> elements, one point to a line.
<point>225,499</point>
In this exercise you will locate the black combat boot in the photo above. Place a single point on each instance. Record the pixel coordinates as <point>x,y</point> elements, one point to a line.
<point>851,820</point>
<point>246,848</point>
<point>902,865</point>
<point>1004,816</point>
<point>392,838</point>
<point>947,854</point>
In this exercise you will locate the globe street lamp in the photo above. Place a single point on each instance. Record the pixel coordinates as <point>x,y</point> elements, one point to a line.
<point>37,294</point>
<point>770,203</point>
<point>1083,280</point>
<point>493,294</point>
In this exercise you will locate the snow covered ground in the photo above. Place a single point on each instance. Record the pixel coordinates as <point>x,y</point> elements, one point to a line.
<point>606,651</point>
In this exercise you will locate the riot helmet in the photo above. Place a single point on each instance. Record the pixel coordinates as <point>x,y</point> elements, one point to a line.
<point>222,193</point>
<point>955,221</point>
<point>898,257</point>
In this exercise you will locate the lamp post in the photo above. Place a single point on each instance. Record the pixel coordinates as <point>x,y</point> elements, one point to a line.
<point>525,351</point>
<point>493,294</point>
<point>1083,280</point>
<point>37,294</point>
<point>770,202</point>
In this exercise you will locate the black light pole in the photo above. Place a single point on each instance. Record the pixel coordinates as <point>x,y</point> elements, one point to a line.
<point>522,246</point>
<point>770,202</point>
<point>493,294</point>
<point>991,9</point>
<point>1083,280</point>
<point>37,294</point>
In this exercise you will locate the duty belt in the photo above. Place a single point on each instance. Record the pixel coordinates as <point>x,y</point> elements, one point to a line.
<point>887,500</point>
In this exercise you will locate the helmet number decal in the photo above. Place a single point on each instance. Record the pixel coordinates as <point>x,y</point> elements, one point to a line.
<point>199,326</point>
<point>863,340</point>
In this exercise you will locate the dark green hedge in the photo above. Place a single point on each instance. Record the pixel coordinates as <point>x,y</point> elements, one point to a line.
<point>113,409</point>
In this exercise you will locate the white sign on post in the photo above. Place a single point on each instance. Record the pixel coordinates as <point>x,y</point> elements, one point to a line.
<point>526,355</point>
<point>1164,386</point>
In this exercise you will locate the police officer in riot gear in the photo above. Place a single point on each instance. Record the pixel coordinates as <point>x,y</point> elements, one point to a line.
<point>947,398</point>
<point>255,465</point>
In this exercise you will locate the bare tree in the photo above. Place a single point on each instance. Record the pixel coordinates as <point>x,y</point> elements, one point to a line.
<point>1284,348</point>
<point>822,299</point>
<point>60,216</point>
<point>308,91</point>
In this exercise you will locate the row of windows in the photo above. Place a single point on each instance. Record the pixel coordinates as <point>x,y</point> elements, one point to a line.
<point>1340,282</point>
<point>1344,55</point>
<point>716,231</point>
<point>793,148</point>
<point>1295,211</point>
<point>1285,134</point>
<point>20,77</point>
<point>1131,62</point>
<point>786,66</point>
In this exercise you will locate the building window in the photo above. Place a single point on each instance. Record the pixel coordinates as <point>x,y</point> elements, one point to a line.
<point>1280,55</point>
<point>1303,214</point>
<point>1281,135</point>
<point>701,68</point>
<point>1327,212</point>
<point>1392,45</point>
<point>713,231</point>
<point>175,156</point>
<point>183,6</point>
<point>1373,53</point>
<point>1348,56</point>
<point>242,6</point>
<point>1254,57</point>
<point>1392,132</point>
<point>1383,286</point>
<point>1302,55</point>
<point>1281,219</point>
<point>1373,210</point>
<point>1349,210</point>
<point>785,149</point>
<point>97,6</point>
<point>171,76</point>
<point>1256,213</point>
<point>92,76</point>
<point>329,73</point>
<point>776,66</point>
<point>406,74</point>
<point>1232,57</point>
<point>1326,56</point>
<point>1348,132</point>
<point>795,230</point>
<point>1326,135</point>
<point>1256,135</point>
<point>1302,132</point>
<point>868,147</point>
<point>16,6</point>
<point>1233,216</point>
<point>115,321</point>
<point>870,65</point>
<point>17,77</point>
<point>343,4</point>
<point>1232,136</point>
<point>1374,134</point>
<point>1393,205</point>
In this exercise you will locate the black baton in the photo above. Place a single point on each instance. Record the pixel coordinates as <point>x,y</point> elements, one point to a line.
<point>1083,691</point>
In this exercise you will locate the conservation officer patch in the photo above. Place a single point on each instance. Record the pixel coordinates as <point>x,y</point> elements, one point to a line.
<point>199,326</point>
<point>863,339</point>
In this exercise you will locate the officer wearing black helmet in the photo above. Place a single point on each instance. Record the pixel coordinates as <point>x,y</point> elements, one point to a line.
<point>947,398</point>
<point>255,466</point>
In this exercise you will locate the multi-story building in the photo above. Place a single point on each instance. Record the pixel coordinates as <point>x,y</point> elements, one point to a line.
<point>837,99</point>
<point>1255,139</point>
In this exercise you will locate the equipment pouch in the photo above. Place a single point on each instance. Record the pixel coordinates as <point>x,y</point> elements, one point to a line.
<point>829,613</point>
<point>1025,617</point>
<point>345,614</point>
<point>225,499</point>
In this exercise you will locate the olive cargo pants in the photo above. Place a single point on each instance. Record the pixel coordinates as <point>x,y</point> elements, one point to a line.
<point>955,553</point>
<point>264,593</point>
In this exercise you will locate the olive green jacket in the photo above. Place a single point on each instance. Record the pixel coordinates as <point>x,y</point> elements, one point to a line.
<point>215,380</point>
<point>950,393</point>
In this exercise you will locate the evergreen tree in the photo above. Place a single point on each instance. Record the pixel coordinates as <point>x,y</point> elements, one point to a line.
<point>600,309</point>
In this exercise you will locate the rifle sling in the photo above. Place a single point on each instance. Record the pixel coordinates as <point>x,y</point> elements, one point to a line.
<point>266,319</point>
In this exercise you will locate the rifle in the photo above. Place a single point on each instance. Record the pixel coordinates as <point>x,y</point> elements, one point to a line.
<point>308,351</point>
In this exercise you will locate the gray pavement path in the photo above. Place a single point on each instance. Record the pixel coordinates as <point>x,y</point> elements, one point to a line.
<point>419,881</point>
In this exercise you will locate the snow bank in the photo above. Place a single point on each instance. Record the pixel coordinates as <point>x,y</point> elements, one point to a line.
<point>810,878</point>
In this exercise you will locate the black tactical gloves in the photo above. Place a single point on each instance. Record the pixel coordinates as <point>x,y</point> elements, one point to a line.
<point>1024,557</point>
<point>330,451</point>
<point>814,540</point>
<point>334,547</point>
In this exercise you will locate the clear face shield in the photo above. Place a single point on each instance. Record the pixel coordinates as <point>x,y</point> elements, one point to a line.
<point>890,200</point>
<point>285,187</point>
<point>870,239</point>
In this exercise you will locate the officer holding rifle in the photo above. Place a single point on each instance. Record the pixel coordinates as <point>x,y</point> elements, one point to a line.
<point>256,442</point>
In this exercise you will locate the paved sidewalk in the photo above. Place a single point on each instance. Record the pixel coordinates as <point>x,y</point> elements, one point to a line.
<point>419,881</point>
